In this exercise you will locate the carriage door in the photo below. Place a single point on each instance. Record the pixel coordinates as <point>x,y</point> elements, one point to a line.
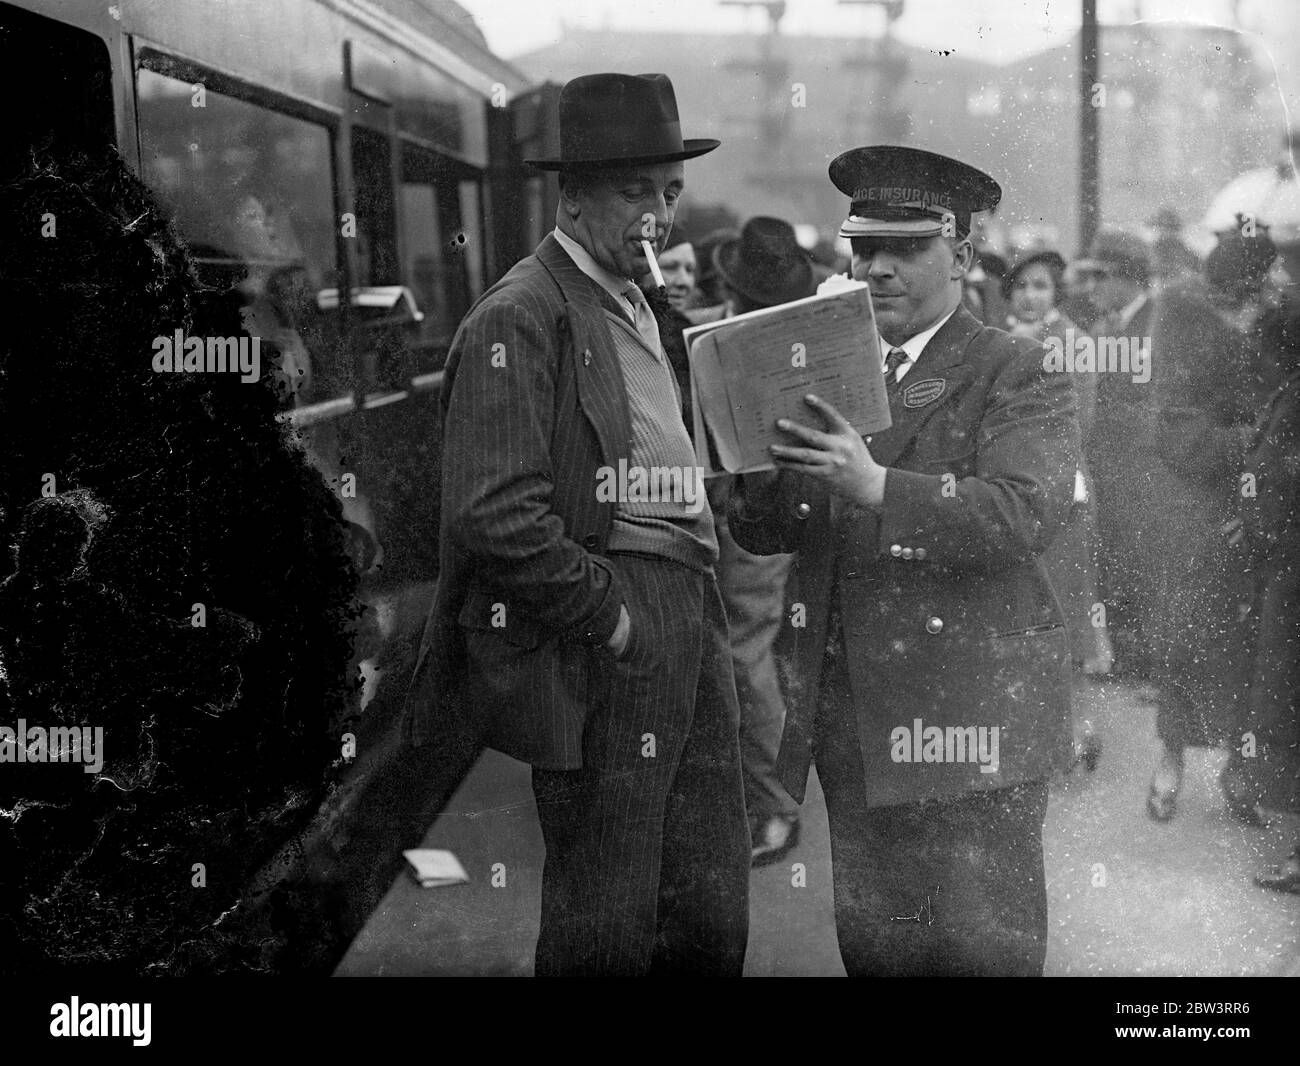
<point>58,83</point>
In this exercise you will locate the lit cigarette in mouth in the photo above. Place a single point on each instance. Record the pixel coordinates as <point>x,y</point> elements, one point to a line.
<point>654,263</point>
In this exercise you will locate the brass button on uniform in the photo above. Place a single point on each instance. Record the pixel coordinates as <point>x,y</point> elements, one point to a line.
<point>895,550</point>
<point>802,512</point>
<point>934,625</point>
<point>586,357</point>
<point>908,553</point>
<point>920,554</point>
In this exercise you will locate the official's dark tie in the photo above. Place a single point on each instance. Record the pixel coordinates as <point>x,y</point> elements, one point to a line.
<point>896,358</point>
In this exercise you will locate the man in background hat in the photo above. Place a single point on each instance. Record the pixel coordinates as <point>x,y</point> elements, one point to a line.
<point>761,267</point>
<point>1115,276</point>
<point>932,671</point>
<point>577,622</point>
<point>1171,260</point>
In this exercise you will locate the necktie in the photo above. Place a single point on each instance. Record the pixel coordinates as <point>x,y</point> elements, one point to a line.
<point>896,358</point>
<point>645,318</point>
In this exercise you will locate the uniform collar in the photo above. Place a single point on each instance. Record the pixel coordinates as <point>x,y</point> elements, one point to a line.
<point>914,346</point>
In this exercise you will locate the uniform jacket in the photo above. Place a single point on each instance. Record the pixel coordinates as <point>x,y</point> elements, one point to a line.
<point>533,404</point>
<point>948,615</point>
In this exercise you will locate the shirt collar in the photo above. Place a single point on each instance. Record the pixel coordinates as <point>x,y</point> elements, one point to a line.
<point>611,283</point>
<point>914,346</point>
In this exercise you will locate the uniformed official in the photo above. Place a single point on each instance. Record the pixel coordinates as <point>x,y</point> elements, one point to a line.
<point>932,675</point>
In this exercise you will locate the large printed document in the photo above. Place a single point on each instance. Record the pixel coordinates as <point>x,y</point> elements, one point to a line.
<point>748,371</point>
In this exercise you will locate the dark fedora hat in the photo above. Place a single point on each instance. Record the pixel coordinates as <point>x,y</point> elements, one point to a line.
<point>612,119</point>
<point>765,263</point>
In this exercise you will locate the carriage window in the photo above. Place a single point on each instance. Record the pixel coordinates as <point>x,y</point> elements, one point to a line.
<point>252,193</point>
<point>372,169</point>
<point>251,188</point>
<point>440,240</point>
<point>426,264</point>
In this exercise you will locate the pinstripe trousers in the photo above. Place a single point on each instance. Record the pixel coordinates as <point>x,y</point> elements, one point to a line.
<point>647,846</point>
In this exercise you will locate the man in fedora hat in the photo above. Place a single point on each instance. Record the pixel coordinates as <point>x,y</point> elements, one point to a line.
<point>577,623</point>
<point>764,266</point>
<point>932,671</point>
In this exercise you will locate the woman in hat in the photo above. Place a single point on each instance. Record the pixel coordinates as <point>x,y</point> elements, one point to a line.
<point>1033,287</point>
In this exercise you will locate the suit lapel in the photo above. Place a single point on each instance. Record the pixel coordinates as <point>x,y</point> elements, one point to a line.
<point>620,321</point>
<point>931,382</point>
<point>600,378</point>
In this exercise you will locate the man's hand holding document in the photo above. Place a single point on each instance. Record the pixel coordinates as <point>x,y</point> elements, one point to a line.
<point>750,370</point>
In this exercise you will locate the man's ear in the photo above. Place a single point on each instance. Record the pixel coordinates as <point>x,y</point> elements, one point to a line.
<point>571,198</point>
<point>963,257</point>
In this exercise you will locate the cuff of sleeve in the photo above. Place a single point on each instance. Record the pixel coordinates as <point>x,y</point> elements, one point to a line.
<point>908,495</point>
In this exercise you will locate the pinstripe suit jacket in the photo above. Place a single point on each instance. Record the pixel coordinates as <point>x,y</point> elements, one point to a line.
<point>534,404</point>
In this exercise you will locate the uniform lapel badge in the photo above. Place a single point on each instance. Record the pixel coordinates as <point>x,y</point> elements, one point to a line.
<point>921,393</point>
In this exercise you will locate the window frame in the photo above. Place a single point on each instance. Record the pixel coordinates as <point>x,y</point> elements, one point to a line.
<point>447,173</point>
<point>156,60</point>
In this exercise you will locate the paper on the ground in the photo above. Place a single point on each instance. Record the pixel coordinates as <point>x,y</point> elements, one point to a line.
<point>433,867</point>
<point>748,371</point>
